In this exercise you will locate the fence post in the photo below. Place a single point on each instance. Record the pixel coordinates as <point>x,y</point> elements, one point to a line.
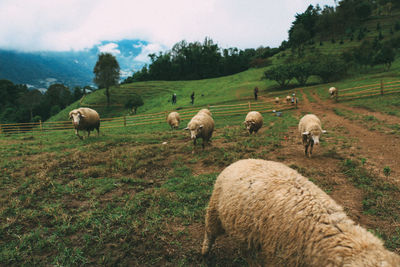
<point>41,127</point>
<point>249,106</point>
<point>337,95</point>
<point>0,130</point>
<point>381,87</point>
<point>124,121</point>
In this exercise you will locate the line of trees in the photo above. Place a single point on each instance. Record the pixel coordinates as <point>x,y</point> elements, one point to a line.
<point>192,61</point>
<point>18,104</point>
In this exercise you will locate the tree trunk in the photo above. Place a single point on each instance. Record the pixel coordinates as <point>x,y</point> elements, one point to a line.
<point>108,96</point>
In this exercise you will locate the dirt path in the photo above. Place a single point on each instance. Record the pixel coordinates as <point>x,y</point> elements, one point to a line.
<point>379,149</point>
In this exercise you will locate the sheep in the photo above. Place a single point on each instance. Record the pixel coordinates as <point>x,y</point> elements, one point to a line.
<point>206,111</point>
<point>332,91</point>
<point>277,100</point>
<point>85,119</point>
<point>288,99</point>
<point>253,121</point>
<point>310,130</point>
<point>173,120</point>
<point>201,126</point>
<point>287,220</point>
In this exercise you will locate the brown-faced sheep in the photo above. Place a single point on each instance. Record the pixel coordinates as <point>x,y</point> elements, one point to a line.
<point>201,126</point>
<point>85,119</point>
<point>332,91</point>
<point>310,130</point>
<point>173,120</point>
<point>287,220</point>
<point>253,121</point>
<point>206,111</point>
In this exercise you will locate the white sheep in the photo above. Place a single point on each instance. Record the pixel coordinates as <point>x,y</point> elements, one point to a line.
<point>206,111</point>
<point>332,91</point>
<point>277,100</point>
<point>288,99</point>
<point>85,119</point>
<point>310,130</point>
<point>253,121</point>
<point>201,126</point>
<point>173,120</point>
<point>287,220</point>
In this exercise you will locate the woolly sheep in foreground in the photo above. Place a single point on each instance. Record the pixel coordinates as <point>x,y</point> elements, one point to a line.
<point>310,129</point>
<point>253,121</point>
<point>287,220</point>
<point>173,120</point>
<point>201,126</point>
<point>332,91</point>
<point>206,111</point>
<point>85,119</point>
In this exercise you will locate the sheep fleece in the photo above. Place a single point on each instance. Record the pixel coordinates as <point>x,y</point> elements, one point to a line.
<point>208,125</point>
<point>256,117</point>
<point>310,123</point>
<point>92,120</point>
<point>270,206</point>
<point>206,111</point>
<point>173,119</point>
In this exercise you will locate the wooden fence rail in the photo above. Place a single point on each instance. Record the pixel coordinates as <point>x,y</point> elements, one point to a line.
<point>382,88</point>
<point>145,119</point>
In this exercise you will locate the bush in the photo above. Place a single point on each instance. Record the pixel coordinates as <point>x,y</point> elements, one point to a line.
<point>330,68</point>
<point>134,101</point>
<point>282,74</point>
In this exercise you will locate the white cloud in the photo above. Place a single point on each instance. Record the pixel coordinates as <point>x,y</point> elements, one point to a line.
<point>79,24</point>
<point>147,50</point>
<point>110,48</point>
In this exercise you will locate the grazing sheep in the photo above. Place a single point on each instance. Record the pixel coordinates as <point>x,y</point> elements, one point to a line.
<point>253,121</point>
<point>173,120</point>
<point>206,111</point>
<point>310,129</point>
<point>332,91</point>
<point>288,99</point>
<point>287,220</point>
<point>85,119</point>
<point>277,100</point>
<point>201,126</point>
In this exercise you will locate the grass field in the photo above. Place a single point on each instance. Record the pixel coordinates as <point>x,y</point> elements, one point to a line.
<point>126,199</point>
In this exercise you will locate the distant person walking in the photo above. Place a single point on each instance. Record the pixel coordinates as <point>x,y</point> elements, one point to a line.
<point>255,93</point>
<point>173,99</point>
<point>192,97</point>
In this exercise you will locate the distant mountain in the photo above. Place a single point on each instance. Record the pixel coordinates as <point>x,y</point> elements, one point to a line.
<point>72,68</point>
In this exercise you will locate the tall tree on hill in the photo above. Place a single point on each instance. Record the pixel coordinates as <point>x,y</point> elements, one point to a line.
<point>106,73</point>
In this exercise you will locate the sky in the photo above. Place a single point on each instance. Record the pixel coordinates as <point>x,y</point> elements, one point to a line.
<point>64,25</point>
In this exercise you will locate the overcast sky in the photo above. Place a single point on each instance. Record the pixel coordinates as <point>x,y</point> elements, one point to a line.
<point>60,25</point>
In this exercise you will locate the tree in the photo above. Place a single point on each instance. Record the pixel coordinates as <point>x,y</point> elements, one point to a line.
<point>106,73</point>
<point>30,100</point>
<point>385,56</point>
<point>133,102</point>
<point>282,74</point>
<point>302,71</point>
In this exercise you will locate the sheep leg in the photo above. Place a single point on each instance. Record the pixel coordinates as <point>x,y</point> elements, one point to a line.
<point>213,228</point>
<point>98,131</point>
<point>311,147</point>
<point>306,148</point>
<point>77,134</point>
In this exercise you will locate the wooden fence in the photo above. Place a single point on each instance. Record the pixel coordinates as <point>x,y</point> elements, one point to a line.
<point>147,119</point>
<point>382,88</point>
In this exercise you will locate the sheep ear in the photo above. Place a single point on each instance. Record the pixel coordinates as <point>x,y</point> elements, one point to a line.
<point>187,128</point>
<point>306,133</point>
<point>253,123</point>
<point>82,116</point>
<point>323,131</point>
<point>201,126</point>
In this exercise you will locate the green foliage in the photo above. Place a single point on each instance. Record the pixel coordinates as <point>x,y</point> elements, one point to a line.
<point>106,72</point>
<point>330,68</point>
<point>282,74</point>
<point>134,101</point>
<point>387,171</point>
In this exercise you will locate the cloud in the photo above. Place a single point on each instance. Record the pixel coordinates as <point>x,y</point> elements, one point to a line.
<point>110,48</point>
<point>78,24</point>
<point>143,57</point>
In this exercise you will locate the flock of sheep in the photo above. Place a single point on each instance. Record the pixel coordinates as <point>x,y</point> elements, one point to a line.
<point>279,214</point>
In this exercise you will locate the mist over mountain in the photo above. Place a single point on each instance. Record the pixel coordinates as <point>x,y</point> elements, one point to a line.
<point>71,68</point>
